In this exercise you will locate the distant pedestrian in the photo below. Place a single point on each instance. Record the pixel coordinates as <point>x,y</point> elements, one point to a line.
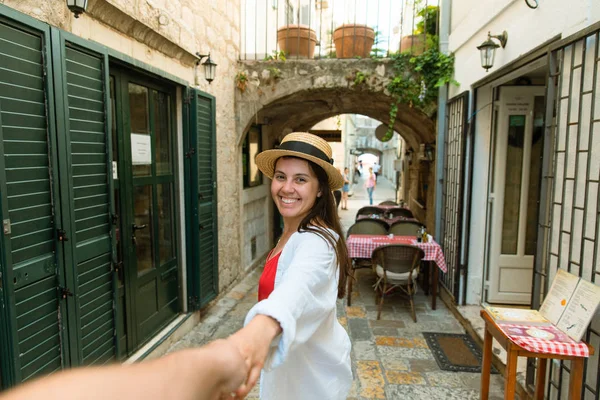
<point>370,184</point>
<point>376,168</point>
<point>345,189</point>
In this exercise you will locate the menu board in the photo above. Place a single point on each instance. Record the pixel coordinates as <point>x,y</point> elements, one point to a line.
<point>568,307</point>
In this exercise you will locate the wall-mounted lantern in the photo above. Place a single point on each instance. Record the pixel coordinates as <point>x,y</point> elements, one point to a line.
<point>77,7</point>
<point>488,49</point>
<point>209,68</point>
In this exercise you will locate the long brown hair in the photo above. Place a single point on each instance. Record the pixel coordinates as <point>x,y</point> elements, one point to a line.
<point>324,211</point>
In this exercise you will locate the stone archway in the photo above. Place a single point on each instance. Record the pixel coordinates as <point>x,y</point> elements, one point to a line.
<point>296,95</point>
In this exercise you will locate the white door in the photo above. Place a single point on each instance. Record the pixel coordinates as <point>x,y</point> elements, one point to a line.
<point>515,193</point>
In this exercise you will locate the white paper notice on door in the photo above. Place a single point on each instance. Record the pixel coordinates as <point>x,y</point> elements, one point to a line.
<point>141,152</point>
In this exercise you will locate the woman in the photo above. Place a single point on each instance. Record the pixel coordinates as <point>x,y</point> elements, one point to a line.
<point>370,184</point>
<point>345,189</point>
<point>293,331</point>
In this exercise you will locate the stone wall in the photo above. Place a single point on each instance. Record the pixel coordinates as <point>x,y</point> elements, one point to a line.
<point>165,34</point>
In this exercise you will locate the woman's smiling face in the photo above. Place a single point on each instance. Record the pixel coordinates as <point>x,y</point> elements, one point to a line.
<point>294,188</point>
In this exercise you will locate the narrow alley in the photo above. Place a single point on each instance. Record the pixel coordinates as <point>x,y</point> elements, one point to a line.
<point>390,357</point>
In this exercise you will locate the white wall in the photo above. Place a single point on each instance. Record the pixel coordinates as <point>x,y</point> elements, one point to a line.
<point>527,28</point>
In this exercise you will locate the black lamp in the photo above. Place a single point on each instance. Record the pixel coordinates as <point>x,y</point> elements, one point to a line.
<point>488,49</point>
<point>77,7</point>
<point>209,67</point>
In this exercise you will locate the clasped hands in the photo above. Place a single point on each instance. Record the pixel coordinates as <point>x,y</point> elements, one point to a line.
<point>245,353</point>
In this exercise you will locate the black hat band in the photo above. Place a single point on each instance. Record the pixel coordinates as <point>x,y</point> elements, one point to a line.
<point>303,147</point>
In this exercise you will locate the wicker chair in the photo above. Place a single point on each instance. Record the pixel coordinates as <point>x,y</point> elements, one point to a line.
<point>369,210</point>
<point>388,203</point>
<point>368,226</point>
<point>396,266</point>
<point>405,228</point>
<point>401,212</point>
<point>363,227</point>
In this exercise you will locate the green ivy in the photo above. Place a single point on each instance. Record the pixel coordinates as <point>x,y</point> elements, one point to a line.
<point>417,79</point>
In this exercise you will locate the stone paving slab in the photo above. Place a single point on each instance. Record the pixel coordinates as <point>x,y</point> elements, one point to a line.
<point>390,358</point>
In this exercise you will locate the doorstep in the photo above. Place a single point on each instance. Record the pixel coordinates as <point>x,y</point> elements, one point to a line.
<point>469,317</point>
<point>169,335</point>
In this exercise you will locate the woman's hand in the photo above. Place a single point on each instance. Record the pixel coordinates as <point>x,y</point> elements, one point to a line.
<point>253,342</point>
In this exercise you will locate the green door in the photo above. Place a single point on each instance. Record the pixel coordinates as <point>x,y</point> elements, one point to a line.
<point>201,199</point>
<point>146,190</point>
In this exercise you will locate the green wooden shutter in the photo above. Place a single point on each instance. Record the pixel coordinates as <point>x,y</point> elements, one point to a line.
<point>202,200</point>
<point>27,186</point>
<point>86,190</point>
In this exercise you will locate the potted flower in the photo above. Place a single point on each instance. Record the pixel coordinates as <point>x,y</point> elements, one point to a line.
<point>297,41</point>
<point>353,40</point>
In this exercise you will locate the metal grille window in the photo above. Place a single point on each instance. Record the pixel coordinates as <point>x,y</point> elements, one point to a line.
<point>452,192</point>
<point>569,213</point>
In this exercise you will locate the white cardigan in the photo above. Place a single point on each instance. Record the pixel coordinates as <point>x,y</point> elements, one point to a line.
<point>310,360</point>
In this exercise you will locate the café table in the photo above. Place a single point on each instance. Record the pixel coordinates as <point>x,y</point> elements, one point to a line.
<point>362,246</point>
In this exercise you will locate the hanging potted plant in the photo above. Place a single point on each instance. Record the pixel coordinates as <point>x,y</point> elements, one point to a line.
<point>297,41</point>
<point>353,40</point>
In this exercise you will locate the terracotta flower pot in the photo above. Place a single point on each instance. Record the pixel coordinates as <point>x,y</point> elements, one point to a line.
<point>353,40</point>
<point>414,44</point>
<point>297,41</point>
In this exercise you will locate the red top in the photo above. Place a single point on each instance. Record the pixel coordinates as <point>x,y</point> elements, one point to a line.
<point>266,283</point>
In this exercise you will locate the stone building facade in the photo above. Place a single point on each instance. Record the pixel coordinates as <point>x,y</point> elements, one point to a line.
<point>148,47</point>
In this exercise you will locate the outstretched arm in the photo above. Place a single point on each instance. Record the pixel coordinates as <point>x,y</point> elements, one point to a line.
<point>203,373</point>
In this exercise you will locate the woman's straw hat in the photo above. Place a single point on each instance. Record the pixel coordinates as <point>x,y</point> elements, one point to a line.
<point>302,145</point>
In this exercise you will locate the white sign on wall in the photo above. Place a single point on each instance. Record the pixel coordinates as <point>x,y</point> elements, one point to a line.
<point>141,152</point>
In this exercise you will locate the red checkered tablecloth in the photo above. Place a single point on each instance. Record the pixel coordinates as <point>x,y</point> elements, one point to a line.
<point>362,246</point>
<point>544,339</point>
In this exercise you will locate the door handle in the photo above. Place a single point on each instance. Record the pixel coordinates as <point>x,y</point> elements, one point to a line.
<point>135,227</point>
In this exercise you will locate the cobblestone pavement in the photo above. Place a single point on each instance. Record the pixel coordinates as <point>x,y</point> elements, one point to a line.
<point>390,357</point>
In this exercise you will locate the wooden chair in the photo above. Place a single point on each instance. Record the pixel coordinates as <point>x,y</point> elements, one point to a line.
<point>396,266</point>
<point>388,203</point>
<point>363,227</point>
<point>401,212</point>
<point>405,228</point>
<point>369,210</point>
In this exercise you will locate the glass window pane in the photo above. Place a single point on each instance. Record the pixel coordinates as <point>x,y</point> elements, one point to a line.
<point>162,132</point>
<point>139,117</point>
<point>535,170</point>
<point>512,184</point>
<point>142,197</point>
<point>166,239</point>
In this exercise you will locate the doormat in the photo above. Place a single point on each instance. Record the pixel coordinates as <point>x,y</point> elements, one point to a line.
<point>455,352</point>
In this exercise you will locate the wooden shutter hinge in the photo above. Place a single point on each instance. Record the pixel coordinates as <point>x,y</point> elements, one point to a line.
<point>62,235</point>
<point>63,292</point>
<point>194,302</point>
<point>190,153</point>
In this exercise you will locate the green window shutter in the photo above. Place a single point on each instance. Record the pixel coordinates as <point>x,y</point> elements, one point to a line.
<point>86,192</point>
<point>202,200</point>
<point>27,187</point>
